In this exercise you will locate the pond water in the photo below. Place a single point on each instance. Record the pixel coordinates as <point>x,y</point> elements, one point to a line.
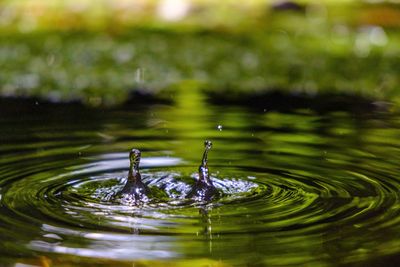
<point>298,187</point>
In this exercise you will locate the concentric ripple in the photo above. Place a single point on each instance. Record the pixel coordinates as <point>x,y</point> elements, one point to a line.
<point>295,189</point>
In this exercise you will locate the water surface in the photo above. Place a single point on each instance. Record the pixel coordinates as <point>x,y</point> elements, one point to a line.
<point>298,187</point>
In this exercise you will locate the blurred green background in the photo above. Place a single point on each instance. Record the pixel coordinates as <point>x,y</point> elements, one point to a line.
<point>109,52</point>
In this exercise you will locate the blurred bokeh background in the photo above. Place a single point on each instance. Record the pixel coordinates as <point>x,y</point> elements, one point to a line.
<point>108,52</point>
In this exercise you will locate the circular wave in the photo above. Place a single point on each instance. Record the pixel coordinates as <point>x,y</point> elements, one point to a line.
<point>288,196</point>
<point>80,203</point>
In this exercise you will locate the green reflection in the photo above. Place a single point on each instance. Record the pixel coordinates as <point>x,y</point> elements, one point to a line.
<point>300,188</point>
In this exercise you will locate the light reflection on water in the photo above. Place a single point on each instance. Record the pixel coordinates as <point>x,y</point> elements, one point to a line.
<point>298,187</point>
<point>115,161</point>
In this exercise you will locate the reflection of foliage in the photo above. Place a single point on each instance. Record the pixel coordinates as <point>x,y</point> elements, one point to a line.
<point>315,155</point>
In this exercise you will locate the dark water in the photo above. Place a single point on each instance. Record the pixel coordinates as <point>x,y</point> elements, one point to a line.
<point>299,188</point>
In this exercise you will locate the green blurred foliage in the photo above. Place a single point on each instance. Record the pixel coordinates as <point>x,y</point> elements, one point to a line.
<point>99,53</point>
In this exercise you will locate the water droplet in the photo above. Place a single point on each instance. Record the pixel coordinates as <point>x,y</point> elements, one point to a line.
<point>219,127</point>
<point>208,144</point>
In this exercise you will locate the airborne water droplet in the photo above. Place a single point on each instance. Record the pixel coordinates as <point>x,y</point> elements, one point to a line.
<point>219,127</point>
